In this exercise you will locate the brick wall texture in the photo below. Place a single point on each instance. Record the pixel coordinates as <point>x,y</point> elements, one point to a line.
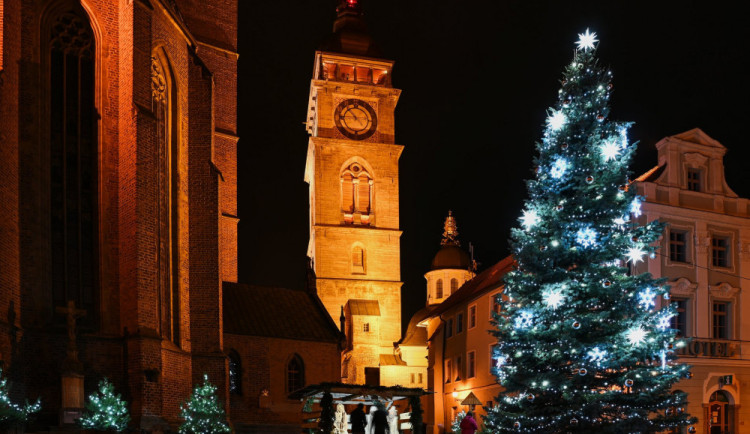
<point>125,337</point>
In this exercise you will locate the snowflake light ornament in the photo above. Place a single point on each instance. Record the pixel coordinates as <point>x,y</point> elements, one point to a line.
<point>624,136</point>
<point>556,120</point>
<point>553,298</point>
<point>586,237</point>
<point>529,219</point>
<point>636,336</point>
<point>558,168</point>
<point>524,319</point>
<point>664,322</point>
<point>586,40</point>
<point>597,355</point>
<point>646,298</point>
<point>635,208</point>
<point>609,150</point>
<point>635,254</point>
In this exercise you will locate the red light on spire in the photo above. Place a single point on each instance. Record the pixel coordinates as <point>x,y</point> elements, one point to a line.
<point>352,3</point>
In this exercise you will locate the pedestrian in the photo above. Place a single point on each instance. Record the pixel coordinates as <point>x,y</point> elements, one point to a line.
<point>380,421</point>
<point>357,419</point>
<point>469,425</point>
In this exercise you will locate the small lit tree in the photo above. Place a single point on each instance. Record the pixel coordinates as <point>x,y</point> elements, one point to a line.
<point>105,411</point>
<point>456,425</point>
<point>203,413</point>
<point>13,414</point>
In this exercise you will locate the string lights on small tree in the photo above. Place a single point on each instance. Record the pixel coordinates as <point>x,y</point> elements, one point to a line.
<point>105,411</point>
<point>582,346</point>
<point>202,412</point>
<point>12,414</point>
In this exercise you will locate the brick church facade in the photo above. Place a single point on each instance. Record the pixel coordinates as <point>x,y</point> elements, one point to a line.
<point>118,157</point>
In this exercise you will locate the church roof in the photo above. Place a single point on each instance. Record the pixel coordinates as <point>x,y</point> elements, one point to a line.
<point>486,281</point>
<point>364,307</point>
<point>451,257</point>
<point>276,313</point>
<point>391,360</point>
<point>350,34</point>
<point>416,336</point>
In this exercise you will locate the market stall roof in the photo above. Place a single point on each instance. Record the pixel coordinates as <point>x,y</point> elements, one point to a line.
<point>356,393</point>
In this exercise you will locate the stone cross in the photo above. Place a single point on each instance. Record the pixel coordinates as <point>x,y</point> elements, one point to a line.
<point>71,315</point>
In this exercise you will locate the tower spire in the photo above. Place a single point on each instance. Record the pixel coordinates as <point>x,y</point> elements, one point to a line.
<point>350,34</point>
<point>450,231</point>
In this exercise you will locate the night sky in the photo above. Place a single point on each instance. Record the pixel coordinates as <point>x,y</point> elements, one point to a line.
<point>477,79</point>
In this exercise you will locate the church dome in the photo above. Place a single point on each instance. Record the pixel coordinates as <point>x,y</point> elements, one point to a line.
<point>450,256</point>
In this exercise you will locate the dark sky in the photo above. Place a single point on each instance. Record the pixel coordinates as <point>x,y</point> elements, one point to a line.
<point>477,78</point>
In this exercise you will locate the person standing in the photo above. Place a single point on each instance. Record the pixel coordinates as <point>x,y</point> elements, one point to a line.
<point>468,424</point>
<point>357,419</point>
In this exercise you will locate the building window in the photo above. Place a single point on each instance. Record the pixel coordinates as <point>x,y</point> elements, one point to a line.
<point>448,371</point>
<point>720,320</point>
<point>470,364</point>
<point>454,285</point>
<point>235,373</point>
<point>720,252</point>
<point>164,104</point>
<point>495,303</point>
<point>678,246</point>
<point>459,367</point>
<point>358,260</point>
<point>694,179</point>
<point>295,374</point>
<point>356,194</point>
<point>679,321</point>
<point>412,378</point>
<point>449,328</point>
<point>366,327</point>
<point>459,323</point>
<point>439,289</point>
<point>472,316</point>
<point>73,147</point>
<point>419,376</point>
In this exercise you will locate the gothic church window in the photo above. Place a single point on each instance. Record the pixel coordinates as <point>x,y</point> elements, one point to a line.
<point>235,373</point>
<point>73,147</point>
<point>164,104</point>
<point>295,374</point>
<point>356,195</point>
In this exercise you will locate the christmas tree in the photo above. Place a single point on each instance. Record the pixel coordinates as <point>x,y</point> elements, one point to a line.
<point>582,345</point>
<point>13,414</point>
<point>203,413</point>
<point>105,411</point>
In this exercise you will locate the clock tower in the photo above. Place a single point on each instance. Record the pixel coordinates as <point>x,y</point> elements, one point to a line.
<point>352,171</point>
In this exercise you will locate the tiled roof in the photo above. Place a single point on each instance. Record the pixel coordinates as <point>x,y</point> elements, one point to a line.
<point>364,307</point>
<point>391,360</point>
<point>276,313</point>
<point>486,281</point>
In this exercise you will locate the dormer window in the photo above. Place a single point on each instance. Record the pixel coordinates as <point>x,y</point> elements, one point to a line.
<point>694,179</point>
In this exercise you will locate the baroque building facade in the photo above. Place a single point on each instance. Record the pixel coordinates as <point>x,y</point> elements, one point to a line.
<point>352,172</point>
<point>118,153</point>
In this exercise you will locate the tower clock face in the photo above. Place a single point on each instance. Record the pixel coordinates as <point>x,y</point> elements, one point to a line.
<point>355,119</point>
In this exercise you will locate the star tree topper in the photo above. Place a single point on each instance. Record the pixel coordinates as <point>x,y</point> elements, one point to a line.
<point>586,40</point>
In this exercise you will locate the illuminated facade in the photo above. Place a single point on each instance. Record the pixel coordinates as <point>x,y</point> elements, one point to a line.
<point>352,171</point>
<point>705,255</point>
<point>118,154</point>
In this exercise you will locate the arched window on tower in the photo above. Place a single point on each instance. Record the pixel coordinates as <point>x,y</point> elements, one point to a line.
<point>454,285</point>
<point>235,373</point>
<point>295,374</point>
<point>164,105</point>
<point>356,195</point>
<point>439,289</point>
<point>73,152</point>
<point>358,260</point>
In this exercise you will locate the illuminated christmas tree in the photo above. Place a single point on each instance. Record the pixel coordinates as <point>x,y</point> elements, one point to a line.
<point>203,413</point>
<point>582,345</point>
<point>105,411</point>
<point>11,414</point>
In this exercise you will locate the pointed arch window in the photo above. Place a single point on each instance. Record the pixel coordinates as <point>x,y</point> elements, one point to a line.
<point>295,374</point>
<point>164,105</point>
<point>356,195</point>
<point>73,148</point>
<point>235,373</point>
<point>439,289</point>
